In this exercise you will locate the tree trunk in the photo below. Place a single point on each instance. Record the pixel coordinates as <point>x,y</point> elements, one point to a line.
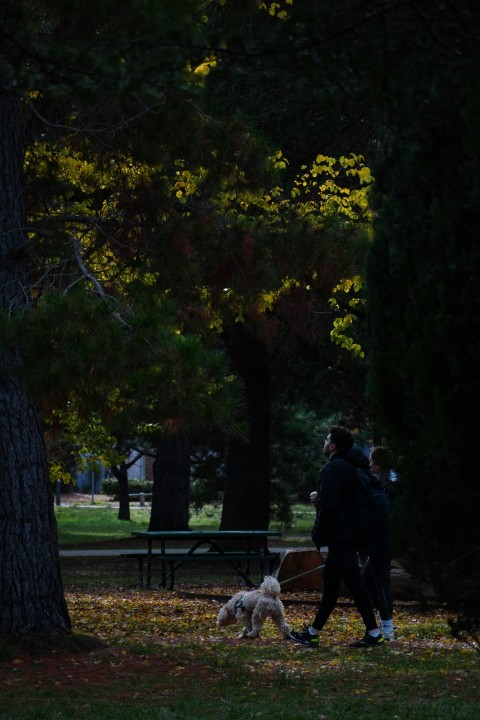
<point>31,591</point>
<point>171,483</point>
<point>120,472</point>
<point>246,504</point>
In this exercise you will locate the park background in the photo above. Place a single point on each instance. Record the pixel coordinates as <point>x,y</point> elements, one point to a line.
<point>226,225</point>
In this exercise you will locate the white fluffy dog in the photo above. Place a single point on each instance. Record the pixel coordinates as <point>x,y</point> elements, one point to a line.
<point>253,608</point>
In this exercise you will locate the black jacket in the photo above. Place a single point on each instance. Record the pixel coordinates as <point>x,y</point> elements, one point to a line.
<point>335,498</point>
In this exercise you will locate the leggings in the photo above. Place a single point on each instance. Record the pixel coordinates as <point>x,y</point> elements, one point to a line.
<point>342,564</point>
<point>376,577</point>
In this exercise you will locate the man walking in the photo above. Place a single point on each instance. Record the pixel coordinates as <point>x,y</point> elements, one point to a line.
<point>334,529</point>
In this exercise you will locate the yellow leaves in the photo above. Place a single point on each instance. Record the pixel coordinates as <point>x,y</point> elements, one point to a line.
<point>347,284</point>
<point>322,164</point>
<point>201,71</point>
<point>187,183</point>
<point>57,472</point>
<point>204,68</point>
<point>365,175</point>
<point>343,325</point>
<point>267,300</point>
<point>334,186</point>
<point>278,160</point>
<point>275,9</point>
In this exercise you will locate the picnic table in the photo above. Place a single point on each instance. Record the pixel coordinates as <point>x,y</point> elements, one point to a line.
<point>204,546</point>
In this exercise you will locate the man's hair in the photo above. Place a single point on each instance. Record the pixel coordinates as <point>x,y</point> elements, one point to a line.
<point>341,438</point>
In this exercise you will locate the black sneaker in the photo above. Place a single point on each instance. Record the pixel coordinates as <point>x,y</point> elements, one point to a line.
<point>304,638</point>
<point>368,641</point>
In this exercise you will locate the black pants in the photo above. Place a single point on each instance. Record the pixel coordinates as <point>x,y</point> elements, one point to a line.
<point>376,577</point>
<point>342,564</point>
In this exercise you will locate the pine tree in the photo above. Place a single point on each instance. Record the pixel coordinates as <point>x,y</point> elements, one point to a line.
<point>59,63</point>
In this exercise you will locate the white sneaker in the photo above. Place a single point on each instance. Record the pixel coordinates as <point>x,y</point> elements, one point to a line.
<point>388,635</point>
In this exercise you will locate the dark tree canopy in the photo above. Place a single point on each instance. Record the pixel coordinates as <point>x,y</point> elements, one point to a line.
<point>395,80</point>
<point>423,298</point>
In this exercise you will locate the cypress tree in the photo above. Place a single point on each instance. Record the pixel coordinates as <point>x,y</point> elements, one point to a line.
<point>425,317</point>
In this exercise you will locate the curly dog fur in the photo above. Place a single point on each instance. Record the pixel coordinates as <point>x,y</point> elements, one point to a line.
<point>253,608</point>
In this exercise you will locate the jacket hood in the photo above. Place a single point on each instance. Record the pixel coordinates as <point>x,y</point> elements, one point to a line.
<point>356,457</point>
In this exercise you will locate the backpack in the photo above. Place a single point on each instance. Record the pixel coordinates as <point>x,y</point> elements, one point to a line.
<point>371,505</point>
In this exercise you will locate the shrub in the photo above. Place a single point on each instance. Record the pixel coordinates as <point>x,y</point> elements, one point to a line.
<point>135,485</point>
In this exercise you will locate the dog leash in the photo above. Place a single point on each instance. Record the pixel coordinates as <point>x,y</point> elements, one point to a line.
<point>307,572</point>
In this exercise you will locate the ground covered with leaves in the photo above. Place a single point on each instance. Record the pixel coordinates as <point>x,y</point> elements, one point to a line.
<point>160,655</point>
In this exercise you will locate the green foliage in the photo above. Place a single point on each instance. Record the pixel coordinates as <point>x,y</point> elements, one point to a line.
<point>281,511</point>
<point>146,373</point>
<point>109,217</point>
<point>207,476</point>
<point>79,442</point>
<point>297,436</point>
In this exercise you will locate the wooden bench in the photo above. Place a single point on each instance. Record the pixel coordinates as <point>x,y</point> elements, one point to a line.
<point>171,561</point>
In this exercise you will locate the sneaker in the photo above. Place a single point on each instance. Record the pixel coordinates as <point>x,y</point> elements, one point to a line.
<point>368,641</point>
<point>388,635</point>
<point>304,638</point>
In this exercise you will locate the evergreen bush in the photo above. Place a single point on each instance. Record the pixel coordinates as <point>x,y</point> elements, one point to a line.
<point>135,485</point>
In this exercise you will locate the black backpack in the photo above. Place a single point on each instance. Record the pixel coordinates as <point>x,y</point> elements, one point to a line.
<point>371,505</point>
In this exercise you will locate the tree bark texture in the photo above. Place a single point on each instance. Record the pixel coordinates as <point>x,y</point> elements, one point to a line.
<point>120,473</point>
<point>31,590</point>
<point>246,504</point>
<point>171,483</point>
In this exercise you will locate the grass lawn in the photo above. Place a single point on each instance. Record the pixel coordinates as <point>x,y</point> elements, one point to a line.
<point>163,658</point>
<point>81,524</point>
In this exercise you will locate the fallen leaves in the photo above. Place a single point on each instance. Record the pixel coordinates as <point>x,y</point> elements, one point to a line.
<point>168,640</point>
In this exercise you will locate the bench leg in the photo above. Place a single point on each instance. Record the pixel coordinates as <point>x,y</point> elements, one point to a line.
<point>149,571</point>
<point>164,573</point>
<point>140,571</point>
<point>240,573</point>
<point>172,575</point>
